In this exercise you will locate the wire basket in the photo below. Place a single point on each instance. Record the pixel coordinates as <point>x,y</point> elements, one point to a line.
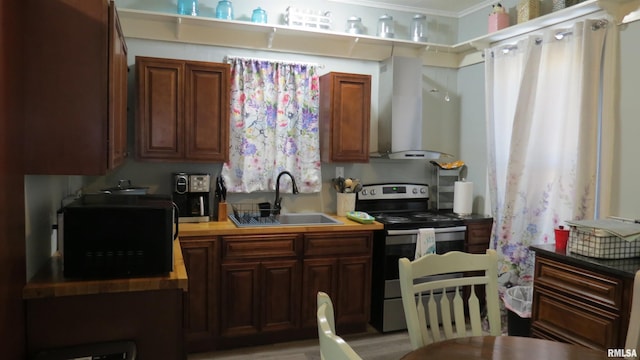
<point>253,214</point>
<point>601,244</point>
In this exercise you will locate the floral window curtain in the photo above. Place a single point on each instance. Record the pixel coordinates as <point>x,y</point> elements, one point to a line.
<point>274,126</point>
<point>545,138</point>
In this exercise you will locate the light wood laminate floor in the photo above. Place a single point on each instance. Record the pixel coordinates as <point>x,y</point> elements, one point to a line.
<point>370,346</point>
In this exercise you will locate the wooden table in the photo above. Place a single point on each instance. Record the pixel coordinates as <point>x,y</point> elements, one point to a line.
<point>503,347</point>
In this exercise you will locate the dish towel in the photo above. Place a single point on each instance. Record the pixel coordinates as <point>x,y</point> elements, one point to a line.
<point>426,242</point>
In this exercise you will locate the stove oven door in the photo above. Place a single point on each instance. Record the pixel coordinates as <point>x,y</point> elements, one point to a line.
<point>402,243</point>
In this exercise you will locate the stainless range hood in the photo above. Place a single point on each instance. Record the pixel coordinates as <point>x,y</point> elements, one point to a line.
<point>400,110</point>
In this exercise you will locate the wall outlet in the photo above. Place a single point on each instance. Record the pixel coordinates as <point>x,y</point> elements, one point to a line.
<point>339,171</point>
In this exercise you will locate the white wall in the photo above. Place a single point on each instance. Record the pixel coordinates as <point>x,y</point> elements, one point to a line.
<point>625,192</point>
<point>43,197</point>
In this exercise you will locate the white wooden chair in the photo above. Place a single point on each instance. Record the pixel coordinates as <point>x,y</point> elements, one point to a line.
<point>423,324</point>
<point>332,346</point>
<point>633,332</point>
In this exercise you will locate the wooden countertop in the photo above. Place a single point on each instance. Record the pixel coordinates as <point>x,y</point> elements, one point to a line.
<point>227,227</point>
<point>49,281</point>
<point>621,267</point>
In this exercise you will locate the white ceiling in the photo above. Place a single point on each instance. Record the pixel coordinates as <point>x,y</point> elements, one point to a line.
<point>453,8</point>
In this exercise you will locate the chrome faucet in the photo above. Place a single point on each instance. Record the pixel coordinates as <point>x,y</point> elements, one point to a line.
<point>276,204</point>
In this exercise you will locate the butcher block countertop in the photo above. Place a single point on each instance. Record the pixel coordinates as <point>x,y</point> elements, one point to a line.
<point>214,228</point>
<point>49,281</point>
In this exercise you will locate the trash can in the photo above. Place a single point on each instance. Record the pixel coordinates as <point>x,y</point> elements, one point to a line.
<point>518,300</point>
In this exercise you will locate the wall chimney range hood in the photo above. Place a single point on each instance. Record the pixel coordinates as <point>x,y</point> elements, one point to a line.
<point>400,110</point>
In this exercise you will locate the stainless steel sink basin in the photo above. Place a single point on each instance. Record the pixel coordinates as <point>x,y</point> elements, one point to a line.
<point>289,219</point>
<point>307,219</point>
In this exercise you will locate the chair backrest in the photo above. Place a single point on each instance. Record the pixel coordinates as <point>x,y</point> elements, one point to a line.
<point>447,307</point>
<point>332,346</point>
<point>323,298</point>
<point>633,332</point>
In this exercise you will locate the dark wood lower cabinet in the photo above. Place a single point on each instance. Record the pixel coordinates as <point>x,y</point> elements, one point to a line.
<point>200,302</point>
<point>259,297</point>
<point>340,265</point>
<point>150,319</point>
<point>259,289</point>
<point>580,300</point>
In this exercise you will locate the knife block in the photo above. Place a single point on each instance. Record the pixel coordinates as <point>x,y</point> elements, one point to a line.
<point>222,211</point>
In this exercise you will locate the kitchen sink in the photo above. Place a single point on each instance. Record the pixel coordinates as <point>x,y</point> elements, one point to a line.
<point>289,219</point>
<point>307,219</point>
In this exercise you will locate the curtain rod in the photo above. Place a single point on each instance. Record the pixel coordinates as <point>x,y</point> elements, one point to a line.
<point>228,59</point>
<point>597,25</point>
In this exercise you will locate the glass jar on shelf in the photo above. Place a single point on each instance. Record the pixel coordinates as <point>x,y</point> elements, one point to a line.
<point>188,7</point>
<point>419,28</point>
<point>385,26</point>
<point>354,25</point>
<point>259,16</point>
<point>224,10</point>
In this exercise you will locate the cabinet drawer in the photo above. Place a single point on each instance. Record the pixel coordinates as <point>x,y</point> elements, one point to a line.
<point>564,319</point>
<point>351,243</point>
<point>479,233</point>
<point>259,246</point>
<point>580,283</point>
<point>477,249</point>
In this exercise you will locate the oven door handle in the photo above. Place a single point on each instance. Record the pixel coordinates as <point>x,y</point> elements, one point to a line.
<point>436,230</point>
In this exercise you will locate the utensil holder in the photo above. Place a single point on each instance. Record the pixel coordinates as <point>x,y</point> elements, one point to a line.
<point>346,203</point>
<point>222,211</point>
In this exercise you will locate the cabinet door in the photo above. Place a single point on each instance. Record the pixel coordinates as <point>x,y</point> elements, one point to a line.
<point>345,102</point>
<point>66,87</point>
<point>280,295</point>
<point>317,275</point>
<point>354,291</point>
<point>160,114</point>
<point>207,111</point>
<point>340,265</point>
<point>240,299</point>
<point>200,315</point>
<point>118,70</point>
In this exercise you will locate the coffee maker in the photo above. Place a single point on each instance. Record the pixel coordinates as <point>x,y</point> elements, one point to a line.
<point>192,195</point>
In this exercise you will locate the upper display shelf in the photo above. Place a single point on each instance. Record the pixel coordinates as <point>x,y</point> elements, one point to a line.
<point>242,34</point>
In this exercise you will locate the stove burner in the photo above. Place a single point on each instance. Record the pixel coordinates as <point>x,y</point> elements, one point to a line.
<point>393,219</point>
<point>430,217</point>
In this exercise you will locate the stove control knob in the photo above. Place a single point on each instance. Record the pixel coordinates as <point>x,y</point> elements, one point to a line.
<point>364,192</point>
<point>415,190</point>
<point>373,192</point>
<point>423,191</point>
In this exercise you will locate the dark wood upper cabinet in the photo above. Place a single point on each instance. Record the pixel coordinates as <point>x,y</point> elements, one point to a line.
<point>345,107</point>
<point>182,110</point>
<point>118,69</point>
<point>75,87</point>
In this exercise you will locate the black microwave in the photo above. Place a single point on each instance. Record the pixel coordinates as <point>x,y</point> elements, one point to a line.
<point>108,235</point>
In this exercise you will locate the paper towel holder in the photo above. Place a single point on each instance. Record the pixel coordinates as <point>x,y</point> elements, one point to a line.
<point>463,198</point>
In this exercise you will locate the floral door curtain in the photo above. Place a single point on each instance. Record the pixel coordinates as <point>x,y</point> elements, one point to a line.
<point>274,126</point>
<point>548,130</point>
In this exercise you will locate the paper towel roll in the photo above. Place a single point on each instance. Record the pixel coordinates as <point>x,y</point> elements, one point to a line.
<point>462,197</point>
